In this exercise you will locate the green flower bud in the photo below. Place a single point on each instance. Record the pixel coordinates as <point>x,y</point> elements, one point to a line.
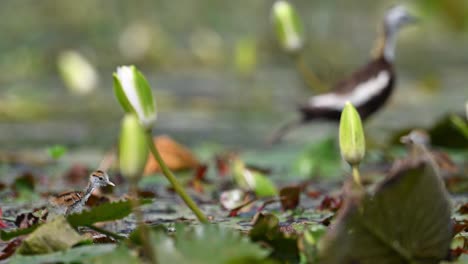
<point>352,141</point>
<point>133,149</point>
<point>288,26</point>
<point>77,72</point>
<point>134,94</point>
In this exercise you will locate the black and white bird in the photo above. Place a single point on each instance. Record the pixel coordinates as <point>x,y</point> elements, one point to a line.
<point>367,89</point>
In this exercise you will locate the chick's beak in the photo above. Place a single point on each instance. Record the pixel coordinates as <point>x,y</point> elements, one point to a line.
<point>110,183</point>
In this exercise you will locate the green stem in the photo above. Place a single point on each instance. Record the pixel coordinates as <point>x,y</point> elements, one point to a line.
<point>311,80</point>
<point>175,184</point>
<point>105,232</point>
<point>143,229</point>
<point>356,175</point>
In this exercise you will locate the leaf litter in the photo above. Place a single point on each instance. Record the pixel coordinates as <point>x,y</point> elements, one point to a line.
<point>404,218</point>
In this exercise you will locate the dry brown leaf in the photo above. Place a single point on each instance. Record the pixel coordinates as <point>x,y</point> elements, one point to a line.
<point>176,156</point>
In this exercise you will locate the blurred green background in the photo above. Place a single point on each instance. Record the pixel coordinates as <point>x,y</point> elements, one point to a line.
<point>215,66</point>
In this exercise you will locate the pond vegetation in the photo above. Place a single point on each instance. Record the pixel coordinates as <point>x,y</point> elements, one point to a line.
<point>158,183</point>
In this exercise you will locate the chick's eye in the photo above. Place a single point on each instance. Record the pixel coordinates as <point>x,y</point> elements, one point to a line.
<point>100,177</point>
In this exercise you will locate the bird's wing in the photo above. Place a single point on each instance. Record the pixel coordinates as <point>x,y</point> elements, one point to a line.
<point>358,88</point>
<point>67,198</point>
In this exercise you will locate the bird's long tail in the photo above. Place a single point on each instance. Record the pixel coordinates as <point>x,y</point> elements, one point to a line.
<point>283,130</point>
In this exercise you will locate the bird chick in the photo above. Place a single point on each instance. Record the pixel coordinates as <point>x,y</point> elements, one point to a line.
<point>74,201</point>
<point>418,143</point>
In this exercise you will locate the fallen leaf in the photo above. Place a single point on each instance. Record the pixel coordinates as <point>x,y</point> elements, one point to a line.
<point>176,156</point>
<point>53,236</point>
<point>10,249</point>
<point>331,203</point>
<point>406,220</point>
<point>26,220</point>
<point>2,224</point>
<point>290,197</point>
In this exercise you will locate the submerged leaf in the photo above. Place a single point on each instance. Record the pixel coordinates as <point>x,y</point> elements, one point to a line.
<point>406,220</point>
<point>50,237</point>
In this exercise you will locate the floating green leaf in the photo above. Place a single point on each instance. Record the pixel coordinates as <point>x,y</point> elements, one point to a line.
<point>78,254</point>
<point>406,220</point>
<point>267,230</point>
<point>121,255</point>
<point>5,236</point>
<point>208,244</point>
<point>53,236</point>
<point>102,213</point>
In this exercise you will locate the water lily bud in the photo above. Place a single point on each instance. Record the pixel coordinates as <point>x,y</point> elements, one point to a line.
<point>352,141</point>
<point>134,94</point>
<point>133,149</point>
<point>77,72</point>
<point>288,27</point>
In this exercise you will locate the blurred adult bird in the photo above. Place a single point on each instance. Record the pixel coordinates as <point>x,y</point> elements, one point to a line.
<point>367,89</point>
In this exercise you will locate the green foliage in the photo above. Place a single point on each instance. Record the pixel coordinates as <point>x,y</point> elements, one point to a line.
<point>56,151</point>
<point>5,236</point>
<point>267,230</point>
<point>53,236</point>
<point>207,244</point>
<point>460,124</point>
<point>406,220</point>
<point>352,141</point>
<point>120,255</point>
<point>445,134</point>
<point>73,255</point>
<point>308,243</point>
<point>133,150</point>
<point>319,159</point>
<point>253,180</point>
<point>102,213</point>
<point>246,56</point>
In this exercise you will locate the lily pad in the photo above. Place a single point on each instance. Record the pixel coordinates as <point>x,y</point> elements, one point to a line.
<point>71,255</point>
<point>406,220</point>
<point>54,236</point>
<point>208,244</point>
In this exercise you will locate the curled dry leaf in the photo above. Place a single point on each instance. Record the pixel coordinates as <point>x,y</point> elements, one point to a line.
<point>176,156</point>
